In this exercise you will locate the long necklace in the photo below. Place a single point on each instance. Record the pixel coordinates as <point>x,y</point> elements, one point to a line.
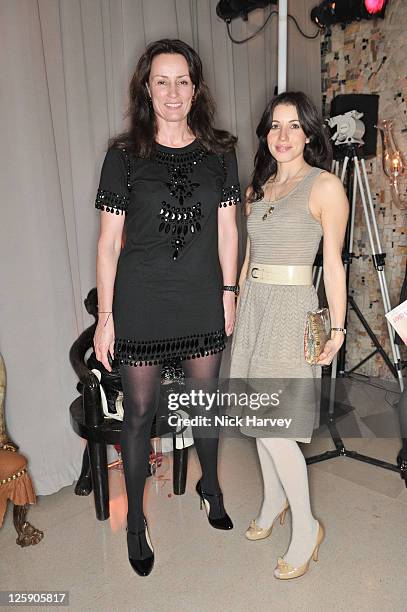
<point>272,181</point>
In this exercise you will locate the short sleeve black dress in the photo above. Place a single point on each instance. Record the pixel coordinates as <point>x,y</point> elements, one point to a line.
<point>167,301</point>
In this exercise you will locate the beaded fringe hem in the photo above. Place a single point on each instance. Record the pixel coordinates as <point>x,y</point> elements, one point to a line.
<point>230,195</point>
<point>111,202</point>
<point>157,352</point>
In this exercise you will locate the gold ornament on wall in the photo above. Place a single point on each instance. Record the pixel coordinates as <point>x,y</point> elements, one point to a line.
<point>394,165</point>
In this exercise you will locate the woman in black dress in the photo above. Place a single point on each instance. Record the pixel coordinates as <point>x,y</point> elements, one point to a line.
<point>171,182</point>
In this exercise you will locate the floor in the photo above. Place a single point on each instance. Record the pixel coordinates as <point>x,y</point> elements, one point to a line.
<point>361,564</point>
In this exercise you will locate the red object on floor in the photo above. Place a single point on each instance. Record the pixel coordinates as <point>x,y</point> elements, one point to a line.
<point>118,448</point>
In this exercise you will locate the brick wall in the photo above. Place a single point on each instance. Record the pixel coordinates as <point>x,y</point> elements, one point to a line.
<point>371,57</point>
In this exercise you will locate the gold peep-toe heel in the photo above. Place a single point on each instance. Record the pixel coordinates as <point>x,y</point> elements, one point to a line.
<point>255,532</point>
<point>285,571</point>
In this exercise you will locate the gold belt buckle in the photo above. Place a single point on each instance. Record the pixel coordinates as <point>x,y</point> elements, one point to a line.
<point>253,275</point>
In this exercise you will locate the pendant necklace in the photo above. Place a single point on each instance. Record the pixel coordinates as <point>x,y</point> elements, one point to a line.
<point>272,181</point>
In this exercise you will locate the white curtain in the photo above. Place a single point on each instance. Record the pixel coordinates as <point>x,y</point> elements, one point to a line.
<point>65,66</point>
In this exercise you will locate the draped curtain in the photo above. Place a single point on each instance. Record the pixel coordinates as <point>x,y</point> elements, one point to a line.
<point>65,66</point>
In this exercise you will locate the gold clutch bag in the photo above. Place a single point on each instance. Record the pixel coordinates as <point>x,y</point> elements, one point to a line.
<point>317,332</point>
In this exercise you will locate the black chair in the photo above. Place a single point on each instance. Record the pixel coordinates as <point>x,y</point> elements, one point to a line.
<point>88,422</point>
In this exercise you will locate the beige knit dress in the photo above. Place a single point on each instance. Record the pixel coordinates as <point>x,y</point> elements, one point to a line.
<point>268,341</point>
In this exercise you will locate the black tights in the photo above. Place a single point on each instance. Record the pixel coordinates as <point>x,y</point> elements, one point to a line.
<point>141,390</point>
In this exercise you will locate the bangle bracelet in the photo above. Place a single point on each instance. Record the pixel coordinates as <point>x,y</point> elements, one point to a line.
<point>234,288</point>
<point>342,329</point>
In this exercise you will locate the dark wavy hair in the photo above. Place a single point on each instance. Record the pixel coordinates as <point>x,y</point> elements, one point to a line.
<point>140,137</point>
<point>318,152</point>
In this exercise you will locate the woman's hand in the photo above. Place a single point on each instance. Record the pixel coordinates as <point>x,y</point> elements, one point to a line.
<point>229,309</point>
<point>331,348</point>
<point>103,340</point>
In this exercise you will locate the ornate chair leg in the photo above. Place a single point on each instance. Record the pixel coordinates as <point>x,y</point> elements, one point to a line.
<point>100,483</point>
<point>84,484</point>
<point>180,470</point>
<point>27,534</point>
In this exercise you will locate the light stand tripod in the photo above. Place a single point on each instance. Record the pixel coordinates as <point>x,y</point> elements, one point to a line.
<point>378,260</point>
<point>351,153</point>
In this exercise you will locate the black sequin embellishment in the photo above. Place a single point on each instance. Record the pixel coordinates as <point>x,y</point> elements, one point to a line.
<point>180,185</point>
<point>153,352</point>
<point>180,221</point>
<point>113,202</point>
<point>230,195</point>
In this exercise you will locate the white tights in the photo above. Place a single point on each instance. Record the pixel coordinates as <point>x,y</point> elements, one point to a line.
<point>285,476</point>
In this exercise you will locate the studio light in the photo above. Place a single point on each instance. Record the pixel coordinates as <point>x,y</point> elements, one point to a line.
<point>232,9</point>
<point>324,14</point>
<point>374,6</point>
<point>330,12</point>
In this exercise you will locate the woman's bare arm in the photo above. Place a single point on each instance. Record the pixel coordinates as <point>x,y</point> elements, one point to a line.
<point>108,252</point>
<point>330,205</point>
<point>227,248</point>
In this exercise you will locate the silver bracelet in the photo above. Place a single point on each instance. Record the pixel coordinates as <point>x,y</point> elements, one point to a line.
<point>342,329</point>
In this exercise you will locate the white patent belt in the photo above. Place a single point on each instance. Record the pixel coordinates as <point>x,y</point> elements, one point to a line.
<point>280,275</point>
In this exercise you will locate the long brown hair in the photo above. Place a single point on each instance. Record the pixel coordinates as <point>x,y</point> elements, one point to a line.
<point>140,137</point>
<point>318,152</point>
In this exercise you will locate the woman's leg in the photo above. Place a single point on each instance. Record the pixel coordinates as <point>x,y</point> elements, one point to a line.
<point>274,496</point>
<point>141,389</point>
<point>203,373</point>
<point>292,471</point>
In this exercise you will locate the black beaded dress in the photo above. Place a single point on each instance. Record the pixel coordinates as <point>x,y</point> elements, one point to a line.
<point>167,301</point>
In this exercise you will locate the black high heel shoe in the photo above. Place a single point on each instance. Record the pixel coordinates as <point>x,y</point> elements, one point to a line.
<point>137,544</point>
<point>223,522</point>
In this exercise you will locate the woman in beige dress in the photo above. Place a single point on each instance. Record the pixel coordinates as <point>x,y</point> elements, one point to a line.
<point>291,203</point>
